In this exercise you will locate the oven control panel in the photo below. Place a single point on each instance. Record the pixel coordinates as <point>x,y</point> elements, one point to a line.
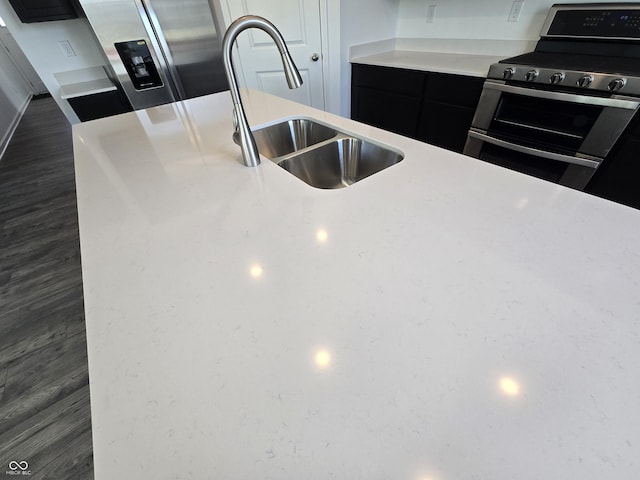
<point>607,21</point>
<point>608,83</point>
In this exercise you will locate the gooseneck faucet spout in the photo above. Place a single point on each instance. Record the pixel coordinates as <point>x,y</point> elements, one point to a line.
<point>242,131</point>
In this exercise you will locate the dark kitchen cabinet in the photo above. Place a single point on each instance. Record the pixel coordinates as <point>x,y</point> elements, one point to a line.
<point>433,107</point>
<point>99,105</point>
<point>618,178</point>
<point>388,98</point>
<point>445,125</point>
<point>30,11</point>
<point>448,107</point>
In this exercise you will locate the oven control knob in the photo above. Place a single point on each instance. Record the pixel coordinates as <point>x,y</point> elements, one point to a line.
<point>531,75</point>
<point>508,73</point>
<point>585,81</point>
<point>617,84</point>
<point>556,78</point>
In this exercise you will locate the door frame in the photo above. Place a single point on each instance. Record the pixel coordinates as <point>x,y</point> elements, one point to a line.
<point>331,58</point>
<point>21,62</point>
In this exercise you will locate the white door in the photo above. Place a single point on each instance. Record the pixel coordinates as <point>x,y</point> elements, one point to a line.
<point>20,60</point>
<point>257,58</point>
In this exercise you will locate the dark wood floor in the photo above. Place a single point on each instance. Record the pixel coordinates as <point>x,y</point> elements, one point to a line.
<point>44,390</point>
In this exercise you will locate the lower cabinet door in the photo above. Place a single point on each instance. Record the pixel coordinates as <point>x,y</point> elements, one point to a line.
<point>386,110</point>
<point>618,178</point>
<point>445,125</point>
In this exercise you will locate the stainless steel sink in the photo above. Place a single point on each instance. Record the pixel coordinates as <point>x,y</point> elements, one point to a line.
<point>291,136</point>
<point>323,156</point>
<point>340,163</point>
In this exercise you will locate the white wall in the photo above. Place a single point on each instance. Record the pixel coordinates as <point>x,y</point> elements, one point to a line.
<point>362,21</point>
<point>14,97</point>
<point>39,42</point>
<point>472,19</point>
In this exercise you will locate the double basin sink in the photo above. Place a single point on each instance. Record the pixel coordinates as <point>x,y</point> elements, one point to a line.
<point>321,155</point>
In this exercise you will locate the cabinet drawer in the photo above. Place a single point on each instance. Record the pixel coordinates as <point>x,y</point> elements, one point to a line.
<point>406,82</point>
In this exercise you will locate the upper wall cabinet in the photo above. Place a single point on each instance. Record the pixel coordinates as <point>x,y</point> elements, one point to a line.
<point>31,11</point>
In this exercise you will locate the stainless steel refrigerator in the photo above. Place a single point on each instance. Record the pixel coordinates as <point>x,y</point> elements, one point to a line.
<point>160,51</point>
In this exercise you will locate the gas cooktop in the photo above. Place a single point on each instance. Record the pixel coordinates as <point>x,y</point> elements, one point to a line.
<point>590,47</point>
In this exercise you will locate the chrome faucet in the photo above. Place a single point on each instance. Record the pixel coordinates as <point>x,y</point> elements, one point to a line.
<point>242,133</point>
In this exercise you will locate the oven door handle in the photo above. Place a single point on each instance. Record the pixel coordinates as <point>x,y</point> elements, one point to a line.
<point>591,162</point>
<point>564,97</point>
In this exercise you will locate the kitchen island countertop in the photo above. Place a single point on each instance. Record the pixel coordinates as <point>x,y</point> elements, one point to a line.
<point>442,319</point>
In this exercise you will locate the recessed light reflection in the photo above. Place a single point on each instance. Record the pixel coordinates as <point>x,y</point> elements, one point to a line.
<point>509,386</point>
<point>428,477</point>
<point>523,202</point>
<point>256,271</point>
<point>322,358</point>
<point>322,235</point>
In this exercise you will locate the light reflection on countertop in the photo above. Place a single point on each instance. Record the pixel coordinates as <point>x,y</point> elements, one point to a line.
<point>522,203</point>
<point>323,358</point>
<point>256,271</point>
<point>509,386</point>
<point>322,235</point>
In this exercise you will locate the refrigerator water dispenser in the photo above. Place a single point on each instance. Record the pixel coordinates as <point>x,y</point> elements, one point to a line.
<point>137,60</point>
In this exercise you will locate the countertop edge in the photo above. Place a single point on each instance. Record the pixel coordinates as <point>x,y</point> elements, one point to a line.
<point>454,56</point>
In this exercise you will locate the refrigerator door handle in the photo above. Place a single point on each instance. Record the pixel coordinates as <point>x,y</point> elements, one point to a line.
<point>156,36</point>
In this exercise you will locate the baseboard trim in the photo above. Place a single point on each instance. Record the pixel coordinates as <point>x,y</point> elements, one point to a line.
<point>4,143</point>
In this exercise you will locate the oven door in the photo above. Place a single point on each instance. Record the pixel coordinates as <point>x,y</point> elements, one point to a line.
<point>561,137</point>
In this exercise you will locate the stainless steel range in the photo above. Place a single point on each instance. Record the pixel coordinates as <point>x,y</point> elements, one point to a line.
<point>557,112</point>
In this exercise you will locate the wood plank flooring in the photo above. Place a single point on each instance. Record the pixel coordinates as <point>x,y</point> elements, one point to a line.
<point>44,390</point>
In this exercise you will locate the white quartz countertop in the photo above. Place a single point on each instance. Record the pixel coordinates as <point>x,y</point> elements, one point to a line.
<point>443,319</point>
<point>454,63</point>
<point>471,57</point>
